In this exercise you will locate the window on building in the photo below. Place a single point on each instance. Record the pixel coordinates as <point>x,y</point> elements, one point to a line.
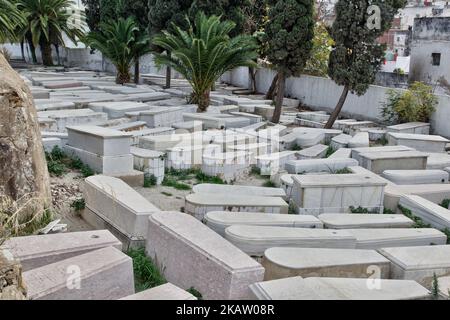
<point>436,59</point>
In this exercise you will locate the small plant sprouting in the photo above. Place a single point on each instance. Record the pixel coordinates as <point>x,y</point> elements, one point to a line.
<point>195,293</point>
<point>296,147</point>
<point>78,204</point>
<point>445,204</point>
<point>330,151</point>
<point>146,273</point>
<point>435,287</point>
<point>269,184</point>
<point>150,181</point>
<point>343,171</point>
<point>361,210</point>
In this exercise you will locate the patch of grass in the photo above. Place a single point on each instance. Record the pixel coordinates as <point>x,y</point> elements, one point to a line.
<point>296,147</point>
<point>292,209</point>
<point>330,151</point>
<point>445,203</point>
<point>195,293</point>
<point>33,226</point>
<point>167,193</point>
<point>418,222</point>
<point>170,182</point>
<point>255,171</point>
<point>388,211</point>
<point>203,178</point>
<point>383,141</point>
<point>78,204</point>
<point>343,171</point>
<point>150,181</point>
<point>361,210</point>
<point>59,163</point>
<point>146,273</point>
<point>269,184</point>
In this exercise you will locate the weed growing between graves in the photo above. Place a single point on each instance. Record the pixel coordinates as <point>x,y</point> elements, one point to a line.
<point>418,222</point>
<point>435,287</point>
<point>173,177</point>
<point>330,151</point>
<point>343,171</point>
<point>59,163</point>
<point>19,218</point>
<point>269,184</point>
<point>445,204</point>
<point>388,211</point>
<point>78,204</point>
<point>296,147</point>
<point>146,273</point>
<point>361,210</point>
<point>150,181</point>
<point>292,209</point>
<point>383,141</point>
<point>195,293</point>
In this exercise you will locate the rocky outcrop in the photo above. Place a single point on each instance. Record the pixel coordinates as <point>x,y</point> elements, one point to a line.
<point>23,168</point>
<point>11,283</point>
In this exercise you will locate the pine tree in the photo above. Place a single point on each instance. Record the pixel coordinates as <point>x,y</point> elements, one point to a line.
<point>357,56</point>
<point>289,35</point>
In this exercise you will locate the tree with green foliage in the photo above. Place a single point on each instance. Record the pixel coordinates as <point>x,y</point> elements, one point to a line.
<point>203,52</point>
<point>162,14</point>
<point>10,19</point>
<point>92,10</point>
<point>48,20</point>
<point>357,56</point>
<point>121,42</point>
<point>289,35</point>
<point>317,65</point>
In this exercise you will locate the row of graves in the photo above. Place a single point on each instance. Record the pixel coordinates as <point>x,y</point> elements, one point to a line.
<point>356,212</point>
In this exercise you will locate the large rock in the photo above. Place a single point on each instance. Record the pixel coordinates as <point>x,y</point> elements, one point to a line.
<point>20,141</point>
<point>12,286</point>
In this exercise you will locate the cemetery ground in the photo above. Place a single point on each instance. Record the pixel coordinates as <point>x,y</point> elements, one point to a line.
<point>152,200</point>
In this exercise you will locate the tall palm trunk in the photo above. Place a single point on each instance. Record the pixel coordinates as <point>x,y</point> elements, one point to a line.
<point>32,47</point>
<point>252,73</point>
<point>58,56</point>
<point>136,70</point>
<point>271,93</point>
<point>22,49</point>
<point>168,75</point>
<point>123,76</point>
<point>46,50</point>
<point>281,83</point>
<point>338,108</point>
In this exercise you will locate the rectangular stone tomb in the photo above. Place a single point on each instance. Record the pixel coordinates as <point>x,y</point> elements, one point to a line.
<point>365,221</point>
<point>254,240</point>
<point>200,204</point>
<point>297,288</point>
<point>148,96</point>
<point>166,291</point>
<point>37,251</point>
<point>105,274</point>
<point>419,263</point>
<point>432,192</point>
<point>192,255</point>
<point>357,151</point>
<point>409,177</point>
<point>319,165</point>
<point>378,162</point>
<point>421,142</point>
<point>302,139</point>
<point>251,191</point>
<point>150,162</point>
<point>340,263</point>
<point>410,127</point>
<point>438,161</point>
<point>112,203</point>
<point>340,141</point>
<point>220,220</point>
<point>317,194</point>
<point>229,166</point>
<point>73,117</point>
<point>385,238</point>
<point>99,140</point>
<point>270,164</point>
<point>316,152</point>
<point>164,142</point>
<point>342,153</point>
<point>162,116</point>
<point>359,140</point>
<point>430,213</point>
<point>118,109</point>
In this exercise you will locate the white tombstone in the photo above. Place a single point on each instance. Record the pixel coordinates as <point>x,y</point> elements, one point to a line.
<point>410,177</point>
<point>421,142</point>
<point>364,221</point>
<point>378,162</point>
<point>430,213</point>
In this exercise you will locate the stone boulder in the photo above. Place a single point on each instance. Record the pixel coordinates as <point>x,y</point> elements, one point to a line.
<point>11,283</point>
<point>23,168</point>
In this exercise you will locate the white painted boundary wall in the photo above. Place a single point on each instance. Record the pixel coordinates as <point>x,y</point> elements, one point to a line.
<point>322,94</point>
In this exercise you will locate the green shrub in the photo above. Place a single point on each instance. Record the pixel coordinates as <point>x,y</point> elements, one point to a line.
<point>418,222</point>
<point>146,273</point>
<point>445,203</point>
<point>361,210</point>
<point>195,293</point>
<point>269,184</point>
<point>150,181</point>
<point>56,168</point>
<point>78,204</point>
<point>296,147</point>
<point>203,178</point>
<point>416,104</point>
<point>86,171</point>
<point>343,171</point>
<point>330,151</point>
<point>435,287</point>
<point>170,182</point>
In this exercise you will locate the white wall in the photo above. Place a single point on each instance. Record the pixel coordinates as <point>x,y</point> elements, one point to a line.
<point>322,94</point>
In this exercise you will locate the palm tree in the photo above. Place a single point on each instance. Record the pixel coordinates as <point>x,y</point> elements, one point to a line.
<point>120,41</point>
<point>204,52</point>
<point>10,19</point>
<point>49,20</point>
